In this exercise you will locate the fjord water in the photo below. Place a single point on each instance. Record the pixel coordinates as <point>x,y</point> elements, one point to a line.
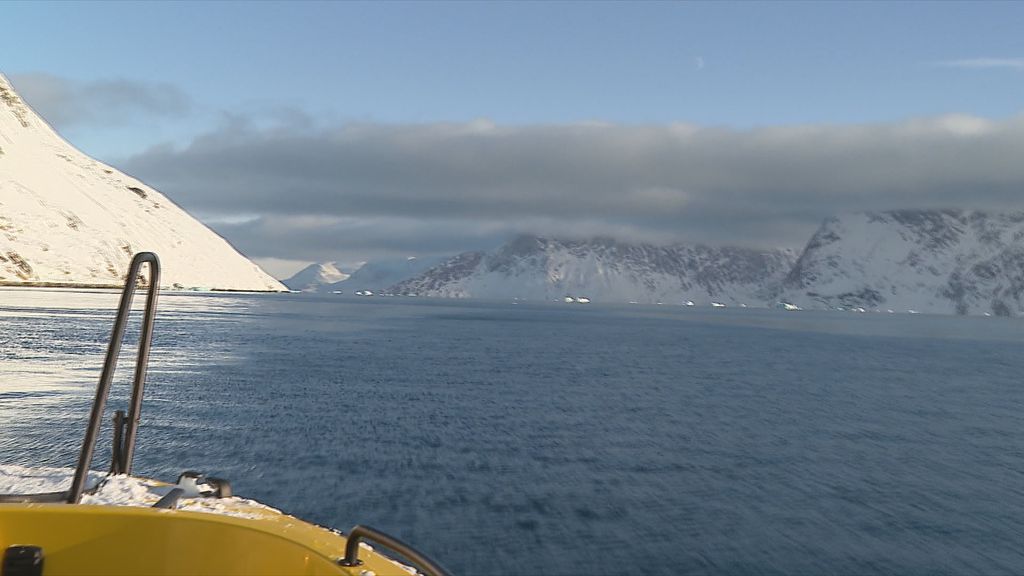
<point>565,439</point>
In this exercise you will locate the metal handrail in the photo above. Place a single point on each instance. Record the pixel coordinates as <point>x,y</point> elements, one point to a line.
<point>127,449</point>
<point>360,532</point>
<point>124,445</point>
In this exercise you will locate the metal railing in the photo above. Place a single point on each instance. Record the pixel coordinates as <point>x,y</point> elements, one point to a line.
<point>360,532</point>
<point>126,426</point>
<point>126,450</point>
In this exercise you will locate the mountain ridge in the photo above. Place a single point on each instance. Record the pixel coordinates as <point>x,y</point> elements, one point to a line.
<point>946,261</point>
<point>942,261</point>
<point>537,268</point>
<point>315,276</point>
<point>379,275</point>
<point>67,219</point>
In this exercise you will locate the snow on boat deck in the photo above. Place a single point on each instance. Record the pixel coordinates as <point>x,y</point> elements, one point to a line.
<point>121,491</point>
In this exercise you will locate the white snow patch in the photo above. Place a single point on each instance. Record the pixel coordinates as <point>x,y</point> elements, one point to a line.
<point>68,219</point>
<point>120,491</point>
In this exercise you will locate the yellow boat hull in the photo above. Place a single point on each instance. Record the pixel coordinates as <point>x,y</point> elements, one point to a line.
<point>79,540</point>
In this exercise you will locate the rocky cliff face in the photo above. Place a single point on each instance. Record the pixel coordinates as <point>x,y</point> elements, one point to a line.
<point>940,261</point>
<point>605,270</point>
<point>66,219</point>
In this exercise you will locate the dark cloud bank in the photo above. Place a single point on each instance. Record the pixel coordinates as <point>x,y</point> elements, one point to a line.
<point>374,189</point>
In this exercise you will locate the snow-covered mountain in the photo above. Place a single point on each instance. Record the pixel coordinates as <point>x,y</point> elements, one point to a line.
<point>940,261</point>
<point>66,219</point>
<point>314,277</point>
<point>605,270</point>
<point>379,275</point>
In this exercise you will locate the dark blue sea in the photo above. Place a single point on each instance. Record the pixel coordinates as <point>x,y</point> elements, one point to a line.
<point>561,439</point>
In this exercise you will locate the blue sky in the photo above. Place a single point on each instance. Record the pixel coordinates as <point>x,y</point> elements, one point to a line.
<point>747,64</point>
<point>200,69</point>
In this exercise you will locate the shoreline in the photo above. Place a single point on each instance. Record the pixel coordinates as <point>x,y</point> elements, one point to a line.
<point>119,287</point>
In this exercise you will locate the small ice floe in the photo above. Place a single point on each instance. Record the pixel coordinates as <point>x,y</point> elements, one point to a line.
<point>717,305</point>
<point>889,310</point>
<point>689,303</point>
<point>858,309</point>
<point>788,306</point>
<point>570,300</point>
<point>912,312</point>
<point>364,293</point>
<point>988,313</point>
<point>336,292</point>
<point>583,300</point>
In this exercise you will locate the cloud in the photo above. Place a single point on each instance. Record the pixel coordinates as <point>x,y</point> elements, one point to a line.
<point>985,63</point>
<point>65,102</point>
<point>324,239</point>
<point>371,190</point>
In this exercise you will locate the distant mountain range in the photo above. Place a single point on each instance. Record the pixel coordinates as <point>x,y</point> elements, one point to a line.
<point>934,261</point>
<point>532,268</point>
<point>68,220</point>
<point>377,276</point>
<point>314,277</point>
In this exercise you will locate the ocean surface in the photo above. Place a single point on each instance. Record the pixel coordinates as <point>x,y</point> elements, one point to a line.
<point>564,439</point>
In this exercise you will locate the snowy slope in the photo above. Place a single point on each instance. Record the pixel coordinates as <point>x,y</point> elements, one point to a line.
<point>315,277</point>
<point>940,261</point>
<point>379,275</point>
<point>68,219</point>
<point>532,268</point>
